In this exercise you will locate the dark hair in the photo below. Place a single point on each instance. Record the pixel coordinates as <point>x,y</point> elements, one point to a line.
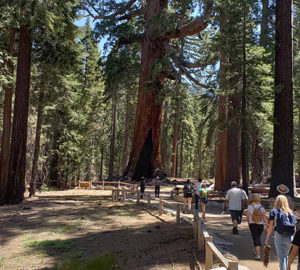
<point>188,181</point>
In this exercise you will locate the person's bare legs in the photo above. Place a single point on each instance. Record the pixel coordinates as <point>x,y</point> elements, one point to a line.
<point>257,249</point>
<point>190,203</point>
<point>184,202</point>
<point>203,207</point>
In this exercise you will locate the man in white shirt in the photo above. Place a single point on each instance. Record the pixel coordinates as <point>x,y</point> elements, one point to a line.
<point>197,195</point>
<point>234,199</point>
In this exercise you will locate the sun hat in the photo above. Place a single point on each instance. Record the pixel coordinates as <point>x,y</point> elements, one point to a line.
<point>283,189</point>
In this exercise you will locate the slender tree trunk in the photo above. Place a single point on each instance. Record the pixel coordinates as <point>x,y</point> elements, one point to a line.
<point>233,150</point>
<point>37,142</point>
<point>101,164</point>
<point>264,23</point>
<point>126,134</point>
<point>16,183</point>
<point>145,152</point>
<point>175,141</point>
<point>256,159</point>
<point>164,139</point>
<point>282,162</point>
<point>6,127</point>
<point>112,138</point>
<point>181,152</point>
<point>298,103</point>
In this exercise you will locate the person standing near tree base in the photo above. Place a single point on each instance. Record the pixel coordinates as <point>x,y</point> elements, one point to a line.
<point>197,195</point>
<point>157,186</point>
<point>234,200</point>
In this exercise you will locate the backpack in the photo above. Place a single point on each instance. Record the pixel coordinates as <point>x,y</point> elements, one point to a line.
<point>257,215</point>
<point>188,189</point>
<point>203,193</point>
<point>285,223</point>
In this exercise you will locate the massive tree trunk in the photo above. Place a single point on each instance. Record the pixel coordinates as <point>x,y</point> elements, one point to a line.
<point>112,137</point>
<point>282,162</point>
<point>221,136</point>
<point>6,127</point>
<point>147,129</point>
<point>37,142</point>
<point>17,162</point>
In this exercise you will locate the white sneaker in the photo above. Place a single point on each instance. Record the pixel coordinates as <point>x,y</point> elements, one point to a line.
<point>257,257</point>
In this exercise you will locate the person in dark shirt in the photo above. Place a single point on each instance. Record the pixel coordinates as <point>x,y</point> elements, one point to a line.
<point>295,250</point>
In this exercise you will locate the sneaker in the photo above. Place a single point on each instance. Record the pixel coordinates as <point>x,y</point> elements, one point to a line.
<point>257,257</point>
<point>235,230</point>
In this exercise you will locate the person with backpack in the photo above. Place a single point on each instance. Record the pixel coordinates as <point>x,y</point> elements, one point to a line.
<point>256,218</point>
<point>203,193</point>
<point>157,186</point>
<point>283,221</point>
<point>188,194</point>
<point>142,186</point>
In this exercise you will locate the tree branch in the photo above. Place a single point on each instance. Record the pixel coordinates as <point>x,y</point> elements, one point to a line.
<point>186,72</point>
<point>132,14</point>
<point>100,16</point>
<point>193,27</point>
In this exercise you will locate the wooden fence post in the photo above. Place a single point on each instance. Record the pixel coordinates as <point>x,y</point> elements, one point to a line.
<point>112,195</point>
<point>209,255</point>
<point>233,265</point>
<point>78,184</point>
<point>119,184</point>
<point>103,184</point>
<point>178,213</point>
<point>195,225</point>
<point>123,194</point>
<point>160,207</point>
<point>149,200</point>
<point>201,241</point>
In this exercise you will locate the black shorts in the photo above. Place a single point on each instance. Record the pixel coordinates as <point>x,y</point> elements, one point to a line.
<point>188,195</point>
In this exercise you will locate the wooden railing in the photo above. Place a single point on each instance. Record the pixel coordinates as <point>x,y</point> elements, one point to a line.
<point>88,184</point>
<point>203,239</point>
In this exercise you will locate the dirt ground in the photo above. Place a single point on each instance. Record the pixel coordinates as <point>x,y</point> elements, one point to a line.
<point>48,229</point>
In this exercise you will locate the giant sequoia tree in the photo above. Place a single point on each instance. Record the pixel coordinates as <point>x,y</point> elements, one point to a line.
<point>282,162</point>
<point>154,24</point>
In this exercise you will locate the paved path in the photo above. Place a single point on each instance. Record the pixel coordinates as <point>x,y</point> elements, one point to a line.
<point>242,246</point>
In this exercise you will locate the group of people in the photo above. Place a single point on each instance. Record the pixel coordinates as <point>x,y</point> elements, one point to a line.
<point>281,220</point>
<point>156,181</point>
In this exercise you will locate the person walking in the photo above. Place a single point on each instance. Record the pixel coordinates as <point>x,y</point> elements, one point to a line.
<point>203,192</point>
<point>142,185</point>
<point>295,251</point>
<point>188,194</point>
<point>197,195</point>
<point>234,199</point>
<point>157,186</point>
<point>283,221</point>
<point>256,218</point>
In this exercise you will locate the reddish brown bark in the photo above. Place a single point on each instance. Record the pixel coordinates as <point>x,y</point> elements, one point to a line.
<point>233,156</point>
<point>37,142</point>
<point>148,112</point>
<point>6,128</point>
<point>282,162</point>
<point>16,183</point>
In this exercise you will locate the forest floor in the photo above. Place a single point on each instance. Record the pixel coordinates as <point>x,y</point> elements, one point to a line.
<point>53,227</point>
